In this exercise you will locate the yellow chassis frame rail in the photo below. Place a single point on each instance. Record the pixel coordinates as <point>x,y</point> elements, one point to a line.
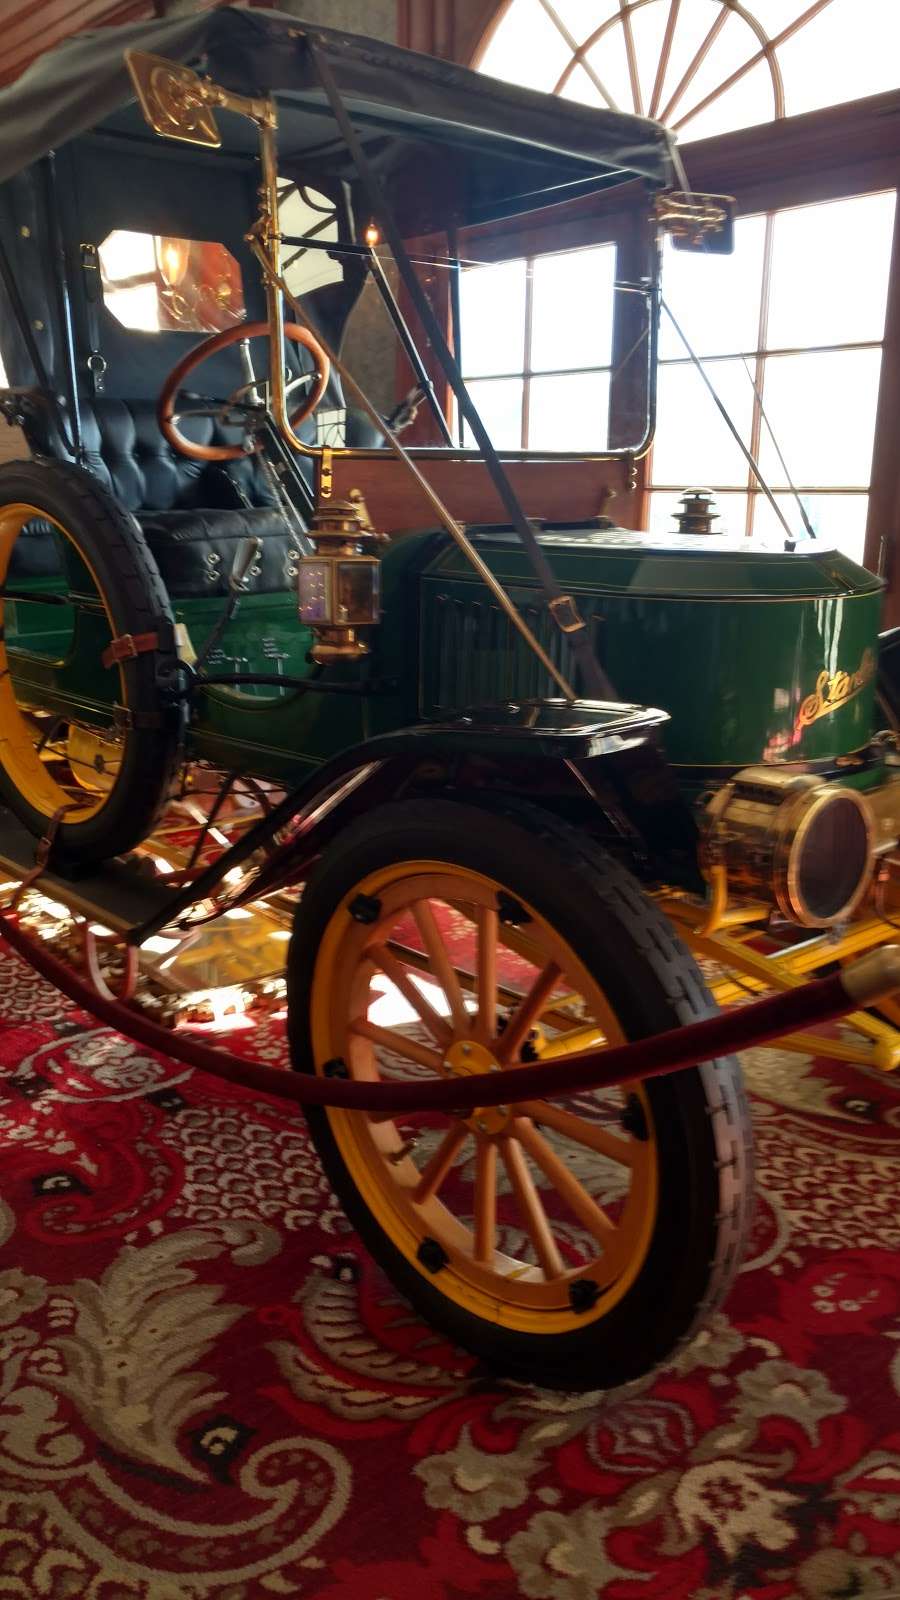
<point>746,973</point>
<point>119,897</point>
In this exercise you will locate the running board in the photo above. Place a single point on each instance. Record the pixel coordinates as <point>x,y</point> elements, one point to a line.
<point>120,895</point>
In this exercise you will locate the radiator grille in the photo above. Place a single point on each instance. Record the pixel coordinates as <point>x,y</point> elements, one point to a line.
<point>472,654</point>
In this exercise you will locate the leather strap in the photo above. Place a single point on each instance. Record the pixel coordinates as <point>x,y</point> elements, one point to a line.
<point>129,645</point>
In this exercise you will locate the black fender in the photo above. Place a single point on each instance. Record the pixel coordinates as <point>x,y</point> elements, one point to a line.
<point>591,759</point>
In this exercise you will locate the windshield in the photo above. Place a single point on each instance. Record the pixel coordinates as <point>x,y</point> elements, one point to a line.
<point>553,347</point>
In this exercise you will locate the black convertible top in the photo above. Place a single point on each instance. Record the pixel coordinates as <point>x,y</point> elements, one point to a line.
<point>505,149</point>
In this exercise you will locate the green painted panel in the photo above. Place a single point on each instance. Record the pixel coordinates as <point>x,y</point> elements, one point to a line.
<point>757,654</point>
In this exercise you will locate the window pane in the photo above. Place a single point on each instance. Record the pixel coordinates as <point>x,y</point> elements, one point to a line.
<point>830,272</point>
<point>693,444</point>
<point>732,509</point>
<point>748,102</point>
<point>734,44</point>
<point>572,309</point>
<point>570,412</point>
<point>609,63</point>
<point>499,403</point>
<point>849,50</point>
<point>300,215</point>
<point>715,298</point>
<point>838,520</point>
<point>822,409</point>
<point>157,283</point>
<point>492,314</point>
<point>526,47</point>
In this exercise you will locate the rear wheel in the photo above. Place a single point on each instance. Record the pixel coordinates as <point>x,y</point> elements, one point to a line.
<point>87,751</point>
<point>571,1243</point>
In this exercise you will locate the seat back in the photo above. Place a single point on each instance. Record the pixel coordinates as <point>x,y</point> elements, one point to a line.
<point>126,450</point>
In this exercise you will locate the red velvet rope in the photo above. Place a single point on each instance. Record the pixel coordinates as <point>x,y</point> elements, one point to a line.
<point>778,1014</point>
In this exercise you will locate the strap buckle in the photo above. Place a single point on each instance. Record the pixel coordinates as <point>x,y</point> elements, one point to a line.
<point>565,614</point>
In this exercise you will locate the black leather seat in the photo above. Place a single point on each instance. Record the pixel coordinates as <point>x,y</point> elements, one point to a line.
<point>194,514</point>
<point>195,549</point>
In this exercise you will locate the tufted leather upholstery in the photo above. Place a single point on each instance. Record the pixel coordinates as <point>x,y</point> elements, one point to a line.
<point>129,454</point>
<point>194,514</point>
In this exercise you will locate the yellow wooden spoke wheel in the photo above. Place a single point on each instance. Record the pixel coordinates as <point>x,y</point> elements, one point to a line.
<point>571,1243</point>
<point>87,749</point>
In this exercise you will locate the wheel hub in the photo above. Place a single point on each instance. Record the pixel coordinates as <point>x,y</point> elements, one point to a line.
<point>467,1058</point>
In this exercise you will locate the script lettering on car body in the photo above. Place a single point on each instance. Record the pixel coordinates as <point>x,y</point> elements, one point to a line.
<point>835,689</point>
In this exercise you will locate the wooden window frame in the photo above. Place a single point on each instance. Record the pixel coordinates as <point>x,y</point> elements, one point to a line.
<point>822,155</point>
<point>545,234</point>
<point>835,154</point>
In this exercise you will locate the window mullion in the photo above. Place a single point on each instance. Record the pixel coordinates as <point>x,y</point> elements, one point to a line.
<point>759,374</point>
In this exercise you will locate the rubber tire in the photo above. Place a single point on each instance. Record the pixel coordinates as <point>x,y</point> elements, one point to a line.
<point>701,1115</point>
<point>115,549</point>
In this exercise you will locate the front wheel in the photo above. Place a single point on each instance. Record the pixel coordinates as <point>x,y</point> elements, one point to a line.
<point>572,1244</point>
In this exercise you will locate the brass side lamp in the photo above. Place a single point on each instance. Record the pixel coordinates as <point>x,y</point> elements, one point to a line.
<point>340,586</point>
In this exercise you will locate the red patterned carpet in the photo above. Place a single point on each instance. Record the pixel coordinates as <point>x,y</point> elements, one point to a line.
<point>207,1392</point>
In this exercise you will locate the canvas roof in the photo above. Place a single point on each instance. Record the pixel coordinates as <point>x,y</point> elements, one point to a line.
<point>503,148</point>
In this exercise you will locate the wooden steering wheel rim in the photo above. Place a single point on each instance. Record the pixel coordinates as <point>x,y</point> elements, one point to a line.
<point>165,410</point>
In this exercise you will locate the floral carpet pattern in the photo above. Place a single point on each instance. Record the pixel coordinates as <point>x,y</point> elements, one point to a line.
<point>206,1389</point>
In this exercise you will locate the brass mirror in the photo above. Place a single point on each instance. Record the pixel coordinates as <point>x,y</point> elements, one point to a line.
<point>173,99</point>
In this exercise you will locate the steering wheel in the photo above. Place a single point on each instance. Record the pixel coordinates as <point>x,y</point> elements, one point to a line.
<point>165,410</point>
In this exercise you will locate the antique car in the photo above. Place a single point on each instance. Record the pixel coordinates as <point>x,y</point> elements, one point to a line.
<point>521,768</point>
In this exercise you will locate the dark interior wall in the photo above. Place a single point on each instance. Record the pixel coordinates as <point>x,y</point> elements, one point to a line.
<point>453,29</point>
<point>375,17</point>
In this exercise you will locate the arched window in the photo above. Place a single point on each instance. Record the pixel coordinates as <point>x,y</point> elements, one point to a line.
<point>791,328</point>
<point>703,67</point>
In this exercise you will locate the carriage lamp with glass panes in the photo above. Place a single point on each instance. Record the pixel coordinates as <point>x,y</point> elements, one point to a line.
<point>340,585</point>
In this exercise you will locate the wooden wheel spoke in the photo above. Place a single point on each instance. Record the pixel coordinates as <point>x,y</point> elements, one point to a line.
<point>532,1211</point>
<point>437,1167</point>
<point>580,1131</point>
<point>526,1014</point>
<point>398,1042</point>
<point>485,1200</point>
<point>585,1208</point>
<point>441,967</point>
<point>400,978</point>
<point>557,1013</point>
<point>487,972</point>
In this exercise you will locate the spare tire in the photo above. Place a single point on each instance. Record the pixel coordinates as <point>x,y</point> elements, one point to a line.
<point>88,746</point>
